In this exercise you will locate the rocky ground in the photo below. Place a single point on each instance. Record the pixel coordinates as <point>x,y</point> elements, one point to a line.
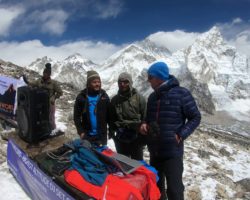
<point>215,165</point>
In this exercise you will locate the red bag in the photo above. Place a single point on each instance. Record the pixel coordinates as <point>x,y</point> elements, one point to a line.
<point>139,185</point>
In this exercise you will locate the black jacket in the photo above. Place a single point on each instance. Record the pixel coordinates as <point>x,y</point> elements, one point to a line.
<point>82,118</point>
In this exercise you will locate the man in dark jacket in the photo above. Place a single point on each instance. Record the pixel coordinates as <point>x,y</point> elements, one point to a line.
<point>91,111</point>
<point>53,89</point>
<point>127,111</point>
<point>172,115</point>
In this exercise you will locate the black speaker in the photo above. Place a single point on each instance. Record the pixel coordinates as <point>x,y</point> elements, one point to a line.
<point>33,114</point>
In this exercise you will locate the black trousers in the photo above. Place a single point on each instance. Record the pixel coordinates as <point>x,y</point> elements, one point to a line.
<point>170,170</point>
<point>133,149</point>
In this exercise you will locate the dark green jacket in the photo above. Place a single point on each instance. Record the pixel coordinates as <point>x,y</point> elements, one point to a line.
<point>52,86</point>
<point>127,111</point>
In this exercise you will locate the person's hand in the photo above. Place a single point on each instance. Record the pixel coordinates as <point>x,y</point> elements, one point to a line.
<point>178,138</point>
<point>52,100</point>
<point>82,135</point>
<point>144,129</point>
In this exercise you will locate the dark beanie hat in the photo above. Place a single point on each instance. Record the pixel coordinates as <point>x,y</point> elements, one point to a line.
<point>91,75</point>
<point>159,70</point>
<point>48,65</point>
<point>47,69</point>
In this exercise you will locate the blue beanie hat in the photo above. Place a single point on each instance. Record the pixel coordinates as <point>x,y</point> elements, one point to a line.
<point>159,70</point>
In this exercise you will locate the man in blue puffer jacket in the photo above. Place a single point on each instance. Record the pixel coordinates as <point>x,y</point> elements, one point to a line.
<point>172,115</point>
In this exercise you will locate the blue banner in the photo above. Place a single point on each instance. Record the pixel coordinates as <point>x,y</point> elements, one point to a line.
<point>34,181</point>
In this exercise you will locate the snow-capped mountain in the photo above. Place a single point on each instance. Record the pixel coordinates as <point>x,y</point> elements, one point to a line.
<point>217,75</point>
<point>212,62</point>
<point>132,59</point>
<point>150,47</point>
<point>71,70</point>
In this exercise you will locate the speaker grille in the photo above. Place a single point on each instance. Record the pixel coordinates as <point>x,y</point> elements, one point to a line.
<point>33,114</point>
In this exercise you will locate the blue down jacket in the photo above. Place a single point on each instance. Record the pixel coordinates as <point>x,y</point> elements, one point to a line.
<point>171,110</point>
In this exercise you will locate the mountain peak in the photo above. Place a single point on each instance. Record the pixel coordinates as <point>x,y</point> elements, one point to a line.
<point>211,38</point>
<point>39,63</point>
<point>75,56</point>
<point>214,30</point>
<point>150,47</point>
<point>44,60</point>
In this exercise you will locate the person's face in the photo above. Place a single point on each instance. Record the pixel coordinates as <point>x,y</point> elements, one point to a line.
<point>154,82</point>
<point>123,85</point>
<point>95,84</point>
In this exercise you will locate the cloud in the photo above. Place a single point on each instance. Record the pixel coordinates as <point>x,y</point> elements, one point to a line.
<point>8,15</point>
<point>110,9</point>
<point>174,40</point>
<point>54,21</point>
<point>52,16</point>
<point>26,52</point>
<point>49,21</point>
<point>237,33</point>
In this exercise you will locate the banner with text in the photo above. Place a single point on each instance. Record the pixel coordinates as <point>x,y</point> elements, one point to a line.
<point>34,181</point>
<point>8,88</point>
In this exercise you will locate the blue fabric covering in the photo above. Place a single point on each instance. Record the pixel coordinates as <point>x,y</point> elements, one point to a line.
<point>86,162</point>
<point>92,113</point>
<point>159,70</point>
<point>152,169</point>
<point>101,148</point>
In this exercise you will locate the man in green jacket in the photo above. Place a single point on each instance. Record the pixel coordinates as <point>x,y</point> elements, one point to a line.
<point>127,111</point>
<point>53,88</point>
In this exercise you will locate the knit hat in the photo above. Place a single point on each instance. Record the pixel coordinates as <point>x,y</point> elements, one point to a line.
<point>159,70</point>
<point>48,65</point>
<point>91,75</point>
<point>126,76</point>
<point>47,69</point>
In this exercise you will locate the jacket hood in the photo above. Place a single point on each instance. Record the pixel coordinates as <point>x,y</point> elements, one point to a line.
<point>172,82</point>
<point>126,76</point>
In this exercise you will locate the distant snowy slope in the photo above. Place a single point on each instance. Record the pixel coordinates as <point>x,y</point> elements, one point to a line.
<point>226,72</point>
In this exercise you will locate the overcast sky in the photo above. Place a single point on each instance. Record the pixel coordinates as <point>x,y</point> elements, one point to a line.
<point>96,29</point>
